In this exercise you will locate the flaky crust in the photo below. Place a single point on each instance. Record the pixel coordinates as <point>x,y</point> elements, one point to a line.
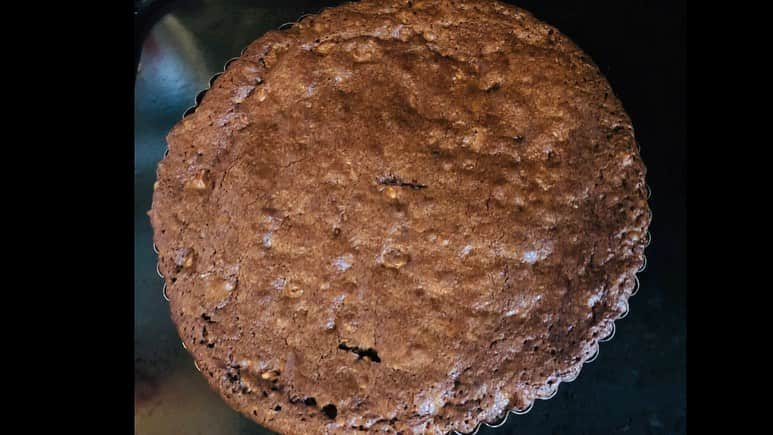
<point>400,216</point>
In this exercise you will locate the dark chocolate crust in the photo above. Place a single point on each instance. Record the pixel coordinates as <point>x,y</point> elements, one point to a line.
<point>400,216</point>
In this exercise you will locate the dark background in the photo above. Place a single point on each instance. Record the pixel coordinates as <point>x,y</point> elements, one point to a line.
<point>636,386</point>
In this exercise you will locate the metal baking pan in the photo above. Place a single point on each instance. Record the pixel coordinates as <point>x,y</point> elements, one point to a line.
<point>179,59</point>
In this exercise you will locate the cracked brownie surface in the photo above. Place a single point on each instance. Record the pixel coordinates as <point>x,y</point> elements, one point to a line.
<point>401,216</point>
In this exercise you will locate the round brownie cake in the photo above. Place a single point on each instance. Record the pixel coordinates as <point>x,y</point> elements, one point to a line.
<point>400,216</point>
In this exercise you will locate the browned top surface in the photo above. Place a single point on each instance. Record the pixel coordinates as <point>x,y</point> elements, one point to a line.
<point>421,214</point>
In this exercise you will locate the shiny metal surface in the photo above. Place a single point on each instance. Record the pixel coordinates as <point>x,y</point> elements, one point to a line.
<point>182,51</point>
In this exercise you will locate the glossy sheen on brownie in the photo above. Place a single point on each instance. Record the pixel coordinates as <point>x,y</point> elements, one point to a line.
<point>400,216</point>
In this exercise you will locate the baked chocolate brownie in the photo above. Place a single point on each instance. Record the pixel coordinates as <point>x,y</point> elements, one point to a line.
<point>401,216</point>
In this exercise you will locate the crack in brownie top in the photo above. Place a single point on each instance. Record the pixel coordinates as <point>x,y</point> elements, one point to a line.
<point>402,216</point>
